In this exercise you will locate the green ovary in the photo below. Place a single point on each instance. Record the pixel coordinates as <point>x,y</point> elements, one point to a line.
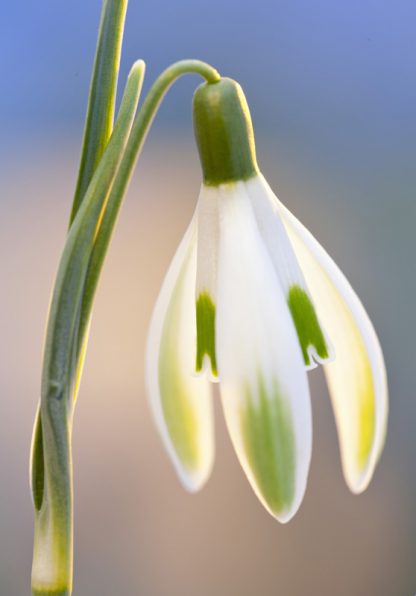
<point>306,323</point>
<point>269,442</point>
<point>205,332</point>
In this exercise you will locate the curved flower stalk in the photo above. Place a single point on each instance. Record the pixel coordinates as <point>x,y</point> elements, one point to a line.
<point>253,301</point>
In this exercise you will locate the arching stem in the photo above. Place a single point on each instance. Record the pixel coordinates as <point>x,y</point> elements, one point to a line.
<point>137,138</point>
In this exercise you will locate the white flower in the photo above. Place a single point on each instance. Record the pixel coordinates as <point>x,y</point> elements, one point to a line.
<point>252,300</point>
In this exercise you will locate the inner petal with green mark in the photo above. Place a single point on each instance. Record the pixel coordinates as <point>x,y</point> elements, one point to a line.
<point>205,330</point>
<point>311,337</point>
<point>269,442</point>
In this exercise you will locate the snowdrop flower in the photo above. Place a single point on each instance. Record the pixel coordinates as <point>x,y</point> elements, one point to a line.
<point>253,301</point>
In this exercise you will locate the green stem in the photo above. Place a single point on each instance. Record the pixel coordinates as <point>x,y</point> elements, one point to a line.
<point>52,561</point>
<point>51,451</point>
<point>102,96</point>
<point>62,329</point>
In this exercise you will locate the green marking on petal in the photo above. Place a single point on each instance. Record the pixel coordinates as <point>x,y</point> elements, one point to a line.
<point>205,331</point>
<point>306,323</point>
<point>269,442</point>
<point>179,414</point>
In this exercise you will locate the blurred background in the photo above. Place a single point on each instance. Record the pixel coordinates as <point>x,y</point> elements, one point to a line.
<point>332,90</point>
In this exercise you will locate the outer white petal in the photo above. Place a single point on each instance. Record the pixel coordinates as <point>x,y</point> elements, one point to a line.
<point>357,377</point>
<point>263,381</point>
<point>181,402</point>
<point>274,234</point>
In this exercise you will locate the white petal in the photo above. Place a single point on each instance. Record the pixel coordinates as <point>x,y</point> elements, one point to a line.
<point>263,385</point>
<point>314,343</point>
<point>208,233</point>
<point>181,402</point>
<point>357,378</point>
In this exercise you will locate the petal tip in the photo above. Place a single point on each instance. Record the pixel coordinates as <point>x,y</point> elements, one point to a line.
<point>285,516</point>
<point>194,481</point>
<point>359,483</point>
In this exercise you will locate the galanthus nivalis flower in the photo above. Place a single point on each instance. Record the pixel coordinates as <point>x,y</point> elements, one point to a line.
<point>253,301</point>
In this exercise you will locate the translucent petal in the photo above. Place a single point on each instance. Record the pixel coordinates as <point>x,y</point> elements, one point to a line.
<point>181,402</point>
<point>357,377</point>
<point>263,384</point>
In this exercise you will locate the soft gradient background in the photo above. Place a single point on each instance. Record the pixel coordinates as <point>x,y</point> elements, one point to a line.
<point>332,88</point>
